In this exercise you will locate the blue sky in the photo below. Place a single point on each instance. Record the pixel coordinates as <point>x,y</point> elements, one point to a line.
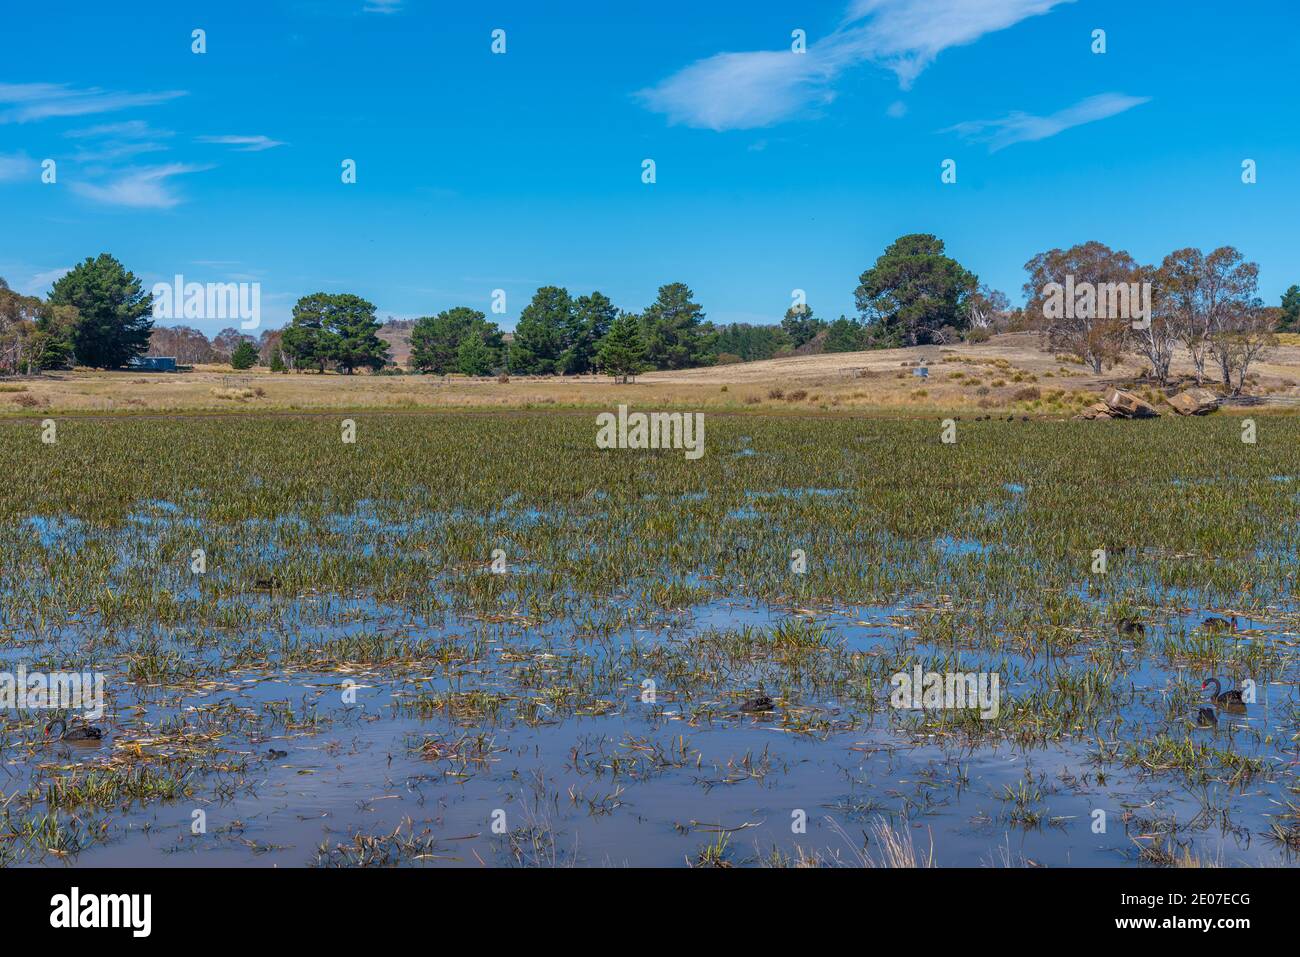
<point>775,170</point>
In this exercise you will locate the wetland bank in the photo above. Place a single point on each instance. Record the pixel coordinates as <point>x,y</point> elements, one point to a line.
<point>475,639</point>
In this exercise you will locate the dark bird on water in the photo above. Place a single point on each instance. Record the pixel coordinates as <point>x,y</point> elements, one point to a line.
<point>1230,698</point>
<point>1220,624</point>
<point>758,705</point>
<point>84,732</point>
<point>1131,626</point>
<point>1206,717</point>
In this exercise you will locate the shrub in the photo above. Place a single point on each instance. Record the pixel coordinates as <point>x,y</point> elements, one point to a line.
<point>240,395</point>
<point>244,356</point>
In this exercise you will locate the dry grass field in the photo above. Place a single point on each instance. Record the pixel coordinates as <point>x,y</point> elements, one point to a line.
<point>1008,374</point>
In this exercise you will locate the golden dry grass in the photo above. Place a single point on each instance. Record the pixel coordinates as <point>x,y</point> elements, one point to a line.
<point>1008,374</point>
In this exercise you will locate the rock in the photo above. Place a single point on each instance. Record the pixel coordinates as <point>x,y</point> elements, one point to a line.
<point>1195,401</point>
<point>1098,411</point>
<point>1127,405</point>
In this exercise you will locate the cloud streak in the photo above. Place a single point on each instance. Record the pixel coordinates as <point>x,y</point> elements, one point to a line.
<point>16,166</point>
<point>242,144</point>
<point>114,141</point>
<point>1026,128</point>
<point>760,88</point>
<point>39,284</point>
<point>146,187</point>
<point>38,101</point>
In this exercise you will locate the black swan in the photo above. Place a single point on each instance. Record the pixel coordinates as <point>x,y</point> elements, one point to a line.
<point>758,705</point>
<point>1230,697</point>
<point>1220,624</point>
<point>85,732</point>
<point>1131,626</point>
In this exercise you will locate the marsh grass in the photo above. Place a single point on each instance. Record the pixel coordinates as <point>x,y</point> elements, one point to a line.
<point>372,563</point>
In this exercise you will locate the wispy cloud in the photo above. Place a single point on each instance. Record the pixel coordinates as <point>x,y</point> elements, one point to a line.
<point>243,144</point>
<point>146,187</point>
<point>759,88</point>
<point>38,101</point>
<point>1026,128</point>
<point>16,166</point>
<point>130,129</point>
<point>39,284</point>
<point>382,6</point>
<point>114,141</point>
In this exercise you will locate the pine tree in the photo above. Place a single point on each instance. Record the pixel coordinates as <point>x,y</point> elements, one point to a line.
<point>542,332</point>
<point>113,312</point>
<point>244,356</point>
<point>674,331</point>
<point>622,352</point>
<point>474,358</point>
<point>435,340</point>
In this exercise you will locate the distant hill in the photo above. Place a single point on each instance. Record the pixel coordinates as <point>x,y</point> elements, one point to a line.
<point>397,333</point>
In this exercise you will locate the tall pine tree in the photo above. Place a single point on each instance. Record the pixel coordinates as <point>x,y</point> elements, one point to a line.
<point>113,312</point>
<point>621,352</point>
<point>542,332</point>
<point>674,331</point>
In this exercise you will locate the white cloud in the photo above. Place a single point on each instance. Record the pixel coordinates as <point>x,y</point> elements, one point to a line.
<point>116,150</point>
<point>742,90</point>
<point>142,188</point>
<point>39,284</point>
<point>16,166</point>
<point>382,6</point>
<point>38,101</point>
<point>130,130</point>
<point>118,141</point>
<point>244,144</point>
<point>759,88</point>
<point>1026,128</point>
<point>907,35</point>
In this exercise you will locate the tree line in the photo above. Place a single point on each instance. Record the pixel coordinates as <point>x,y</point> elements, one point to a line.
<point>99,315</point>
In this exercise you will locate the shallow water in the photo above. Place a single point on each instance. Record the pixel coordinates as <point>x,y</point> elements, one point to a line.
<point>584,781</point>
<point>519,699</point>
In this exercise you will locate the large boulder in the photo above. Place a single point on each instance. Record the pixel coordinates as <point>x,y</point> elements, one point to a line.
<point>1127,405</point>
<point>1194,401</point>
<point>1098,410</point>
